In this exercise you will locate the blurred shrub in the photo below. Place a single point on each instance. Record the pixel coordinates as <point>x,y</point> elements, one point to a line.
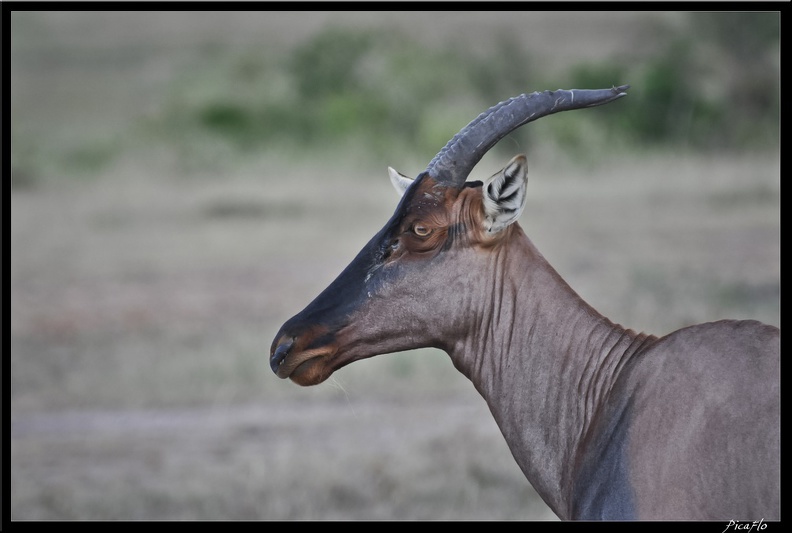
<point>337,87</point>
<point>713,86</point>
<point>664,105</point>
<point>386,92</point>
<point>327,64</point>
<point>710,83</point>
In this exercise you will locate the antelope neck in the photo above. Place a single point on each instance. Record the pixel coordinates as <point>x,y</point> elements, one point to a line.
<point>545,362</point>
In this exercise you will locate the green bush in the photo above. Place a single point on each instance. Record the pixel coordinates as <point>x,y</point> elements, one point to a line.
<point>716,90</point>
<point>713,84</point>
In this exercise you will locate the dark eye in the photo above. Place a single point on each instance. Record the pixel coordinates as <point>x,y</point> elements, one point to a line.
<point>421,230</point>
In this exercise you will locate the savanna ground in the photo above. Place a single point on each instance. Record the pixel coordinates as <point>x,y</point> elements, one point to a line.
<point>150,269</point>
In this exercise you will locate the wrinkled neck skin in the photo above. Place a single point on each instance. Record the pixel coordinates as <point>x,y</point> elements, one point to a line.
<point>542,358</point>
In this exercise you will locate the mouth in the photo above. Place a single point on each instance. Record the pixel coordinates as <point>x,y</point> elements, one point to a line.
<point>306,367</point>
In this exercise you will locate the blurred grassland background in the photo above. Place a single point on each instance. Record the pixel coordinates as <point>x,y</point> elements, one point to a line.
<point>182,183</point>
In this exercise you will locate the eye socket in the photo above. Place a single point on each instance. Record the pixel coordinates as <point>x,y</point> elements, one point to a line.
<point>421,230</point>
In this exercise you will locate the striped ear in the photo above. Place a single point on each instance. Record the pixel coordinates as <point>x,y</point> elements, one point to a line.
<point>504,195</point>
<point>400,181</point>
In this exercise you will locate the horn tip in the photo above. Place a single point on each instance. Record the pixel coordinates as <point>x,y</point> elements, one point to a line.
<point>621,90</point>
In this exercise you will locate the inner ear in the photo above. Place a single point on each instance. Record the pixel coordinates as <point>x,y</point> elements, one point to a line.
<point>504,195</point>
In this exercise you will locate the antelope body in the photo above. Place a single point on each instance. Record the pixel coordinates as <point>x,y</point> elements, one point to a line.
<point>605,423</point>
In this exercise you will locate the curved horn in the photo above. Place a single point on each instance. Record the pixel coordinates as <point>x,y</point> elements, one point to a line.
<point>455,161</point>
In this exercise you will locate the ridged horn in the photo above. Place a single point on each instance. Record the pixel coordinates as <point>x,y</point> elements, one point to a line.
<point>456,160</point>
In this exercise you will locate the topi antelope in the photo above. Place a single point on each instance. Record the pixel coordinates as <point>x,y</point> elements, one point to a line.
<point>605,423</point>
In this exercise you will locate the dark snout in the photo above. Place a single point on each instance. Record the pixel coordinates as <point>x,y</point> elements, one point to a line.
<point>305,348</point>
<point>305,356</point>
<point>280,349</point>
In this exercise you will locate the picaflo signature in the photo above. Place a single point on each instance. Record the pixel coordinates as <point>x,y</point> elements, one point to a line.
<point>736,525</point>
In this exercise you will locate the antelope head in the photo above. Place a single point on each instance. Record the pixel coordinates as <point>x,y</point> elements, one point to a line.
<point>413,284</point>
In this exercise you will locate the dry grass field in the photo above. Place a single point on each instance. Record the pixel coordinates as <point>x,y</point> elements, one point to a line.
<point>145,292</point>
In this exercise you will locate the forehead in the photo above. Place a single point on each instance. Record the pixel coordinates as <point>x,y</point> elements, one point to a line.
<point>425,192</point>
<point>428,193</point>
<point>426,197</point>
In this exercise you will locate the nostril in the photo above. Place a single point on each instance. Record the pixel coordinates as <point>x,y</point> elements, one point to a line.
<point>280,354</point>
